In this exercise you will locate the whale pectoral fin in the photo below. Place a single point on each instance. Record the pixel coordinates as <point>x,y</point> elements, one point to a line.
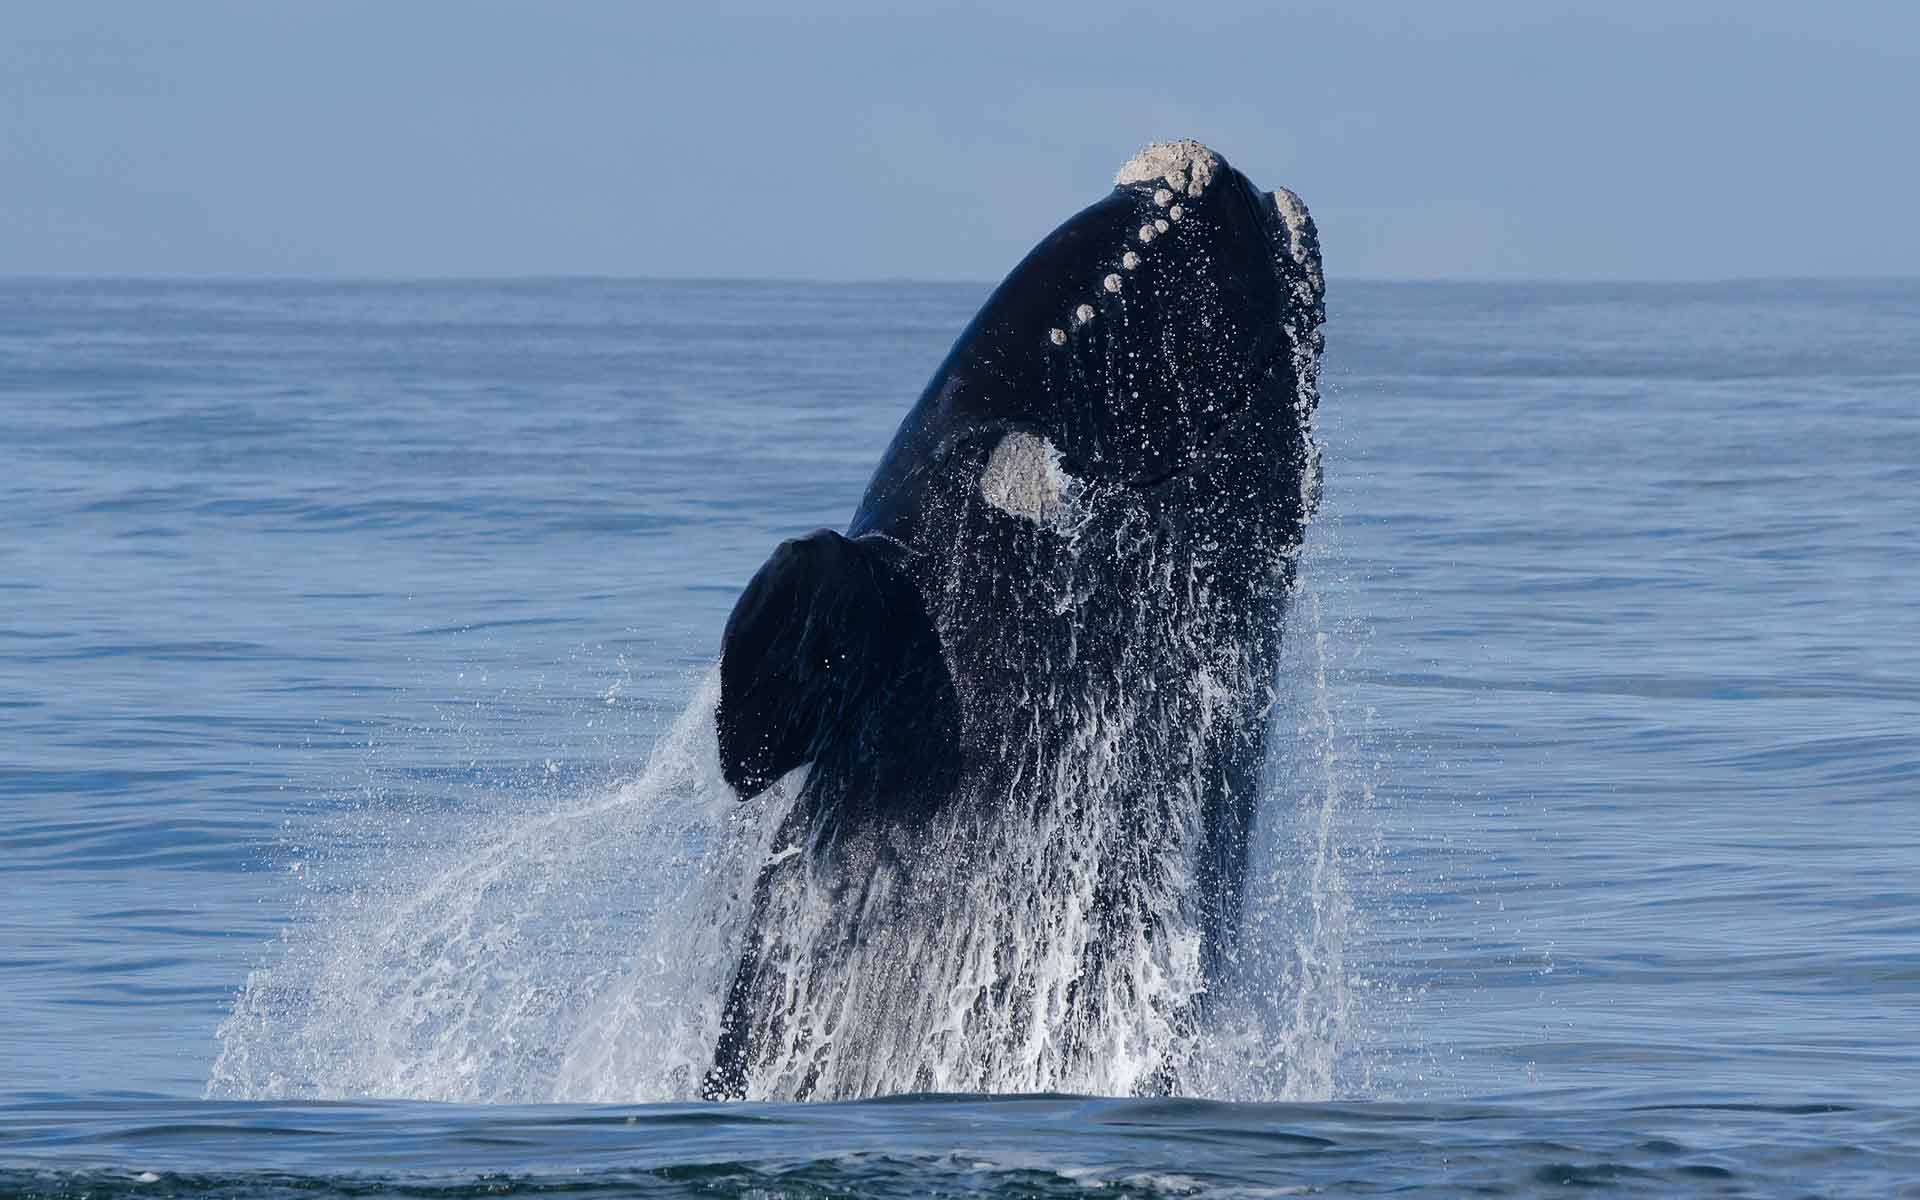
<point>825,625</point>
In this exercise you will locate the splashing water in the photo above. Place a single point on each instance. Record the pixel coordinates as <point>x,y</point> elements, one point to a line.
<point>1295,997</point>
<point>582,951</point>
<point>576,953</point>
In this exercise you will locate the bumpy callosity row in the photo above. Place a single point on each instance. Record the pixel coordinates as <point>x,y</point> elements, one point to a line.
<point>1190,173</point>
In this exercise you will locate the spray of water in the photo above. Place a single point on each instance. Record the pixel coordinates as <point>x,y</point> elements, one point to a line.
<point>482,971</point>
<point>580,950</point>
<point>1296,997</point>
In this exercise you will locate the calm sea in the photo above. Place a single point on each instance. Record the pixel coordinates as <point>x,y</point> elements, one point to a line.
<point>338,624</point>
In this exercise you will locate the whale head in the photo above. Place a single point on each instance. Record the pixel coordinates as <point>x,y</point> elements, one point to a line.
<point>1147,331</point>
<point>1203,300</point>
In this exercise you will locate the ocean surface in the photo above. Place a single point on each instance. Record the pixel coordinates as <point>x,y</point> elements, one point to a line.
<point>344,629</point>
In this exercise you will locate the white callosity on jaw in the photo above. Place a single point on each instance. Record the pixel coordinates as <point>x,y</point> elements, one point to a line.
<point>1185,165</point>
<point>1023,478</point>
<point>1293,214</point>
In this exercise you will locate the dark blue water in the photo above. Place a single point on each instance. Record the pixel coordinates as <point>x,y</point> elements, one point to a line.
<point>338,623</point>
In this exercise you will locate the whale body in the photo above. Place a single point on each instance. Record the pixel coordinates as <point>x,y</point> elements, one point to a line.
<point>1030,684</point>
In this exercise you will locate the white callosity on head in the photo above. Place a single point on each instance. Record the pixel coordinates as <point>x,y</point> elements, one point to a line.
<point>1023,478</point>
<point>1185,165</point>
<point>1176,212</point>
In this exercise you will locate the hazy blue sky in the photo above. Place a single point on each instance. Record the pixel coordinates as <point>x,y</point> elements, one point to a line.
<point>1458,139</point>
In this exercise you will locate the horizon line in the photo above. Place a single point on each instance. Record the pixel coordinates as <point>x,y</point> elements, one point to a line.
<point>604,277</point>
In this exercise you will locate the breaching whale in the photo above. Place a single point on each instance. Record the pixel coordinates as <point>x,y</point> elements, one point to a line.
<point>1030,684</point>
